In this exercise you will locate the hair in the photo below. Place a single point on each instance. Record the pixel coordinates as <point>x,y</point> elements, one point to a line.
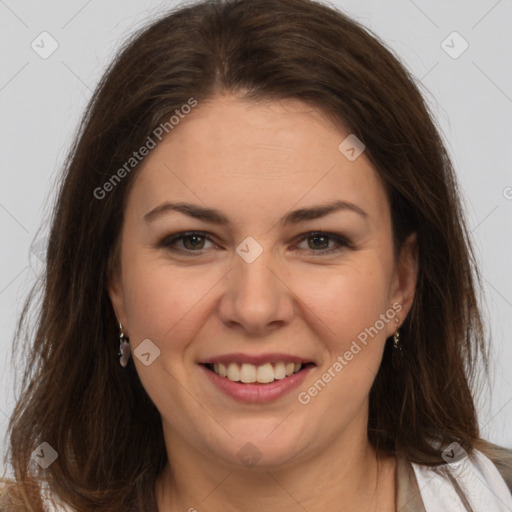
<point>96,414</point>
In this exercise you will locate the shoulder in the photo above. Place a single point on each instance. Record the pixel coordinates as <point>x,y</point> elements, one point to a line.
<point>501,457</point>
<point>483,476</point>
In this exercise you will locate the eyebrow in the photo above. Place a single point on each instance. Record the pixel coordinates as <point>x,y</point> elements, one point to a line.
<point>217,217</point>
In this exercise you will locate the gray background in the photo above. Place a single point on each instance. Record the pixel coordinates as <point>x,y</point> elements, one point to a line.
<point>41,101</point>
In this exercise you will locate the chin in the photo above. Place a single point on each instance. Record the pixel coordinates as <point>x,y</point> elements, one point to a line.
<point>260,448</point>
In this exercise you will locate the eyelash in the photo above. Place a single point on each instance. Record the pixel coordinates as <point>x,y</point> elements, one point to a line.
<point>169,242</point>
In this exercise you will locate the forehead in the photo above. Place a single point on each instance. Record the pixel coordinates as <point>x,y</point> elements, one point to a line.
<point>251,158</point>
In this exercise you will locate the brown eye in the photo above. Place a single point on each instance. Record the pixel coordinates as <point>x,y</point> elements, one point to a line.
<point>196,242</point>
<point>318,241</point>
<point>190,242</point>
<point>322,243</point>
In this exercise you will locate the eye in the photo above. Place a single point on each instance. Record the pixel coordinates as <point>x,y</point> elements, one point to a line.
<point>320,242</point>
<point>193,241</point>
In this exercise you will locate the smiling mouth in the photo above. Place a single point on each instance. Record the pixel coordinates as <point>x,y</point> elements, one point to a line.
<point>247,373</point>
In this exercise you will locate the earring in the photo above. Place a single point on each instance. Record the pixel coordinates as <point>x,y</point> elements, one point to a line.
<point>397,356</point>
<point>396,336</point>
<point>124,347</point>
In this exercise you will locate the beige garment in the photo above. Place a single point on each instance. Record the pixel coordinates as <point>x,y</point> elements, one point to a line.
<point>408,497</point>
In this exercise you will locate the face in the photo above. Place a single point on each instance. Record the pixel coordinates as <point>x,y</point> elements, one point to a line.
<point>257,283</point>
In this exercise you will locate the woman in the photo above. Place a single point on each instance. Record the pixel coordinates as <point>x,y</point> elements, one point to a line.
<point>260,291</point>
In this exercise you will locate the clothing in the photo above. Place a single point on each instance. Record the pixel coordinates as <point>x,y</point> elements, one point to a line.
<point>488,487</point>
<point>474,484</point>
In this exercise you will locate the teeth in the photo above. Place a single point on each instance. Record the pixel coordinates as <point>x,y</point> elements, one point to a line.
<point>264,373</point>
<point>233,372</point>
<point>279,371</point>
<point>223,372</point>
<point>248,373</point>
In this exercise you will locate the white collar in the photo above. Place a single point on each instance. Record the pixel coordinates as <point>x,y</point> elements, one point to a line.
<point>473,479</point>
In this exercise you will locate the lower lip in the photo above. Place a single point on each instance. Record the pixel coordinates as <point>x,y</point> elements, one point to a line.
<point>257,393</point>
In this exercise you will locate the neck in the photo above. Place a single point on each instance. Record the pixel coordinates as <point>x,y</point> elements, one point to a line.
<point>345,476</point>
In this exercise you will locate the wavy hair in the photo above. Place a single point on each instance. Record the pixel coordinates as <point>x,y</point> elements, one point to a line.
<point>95,414</point>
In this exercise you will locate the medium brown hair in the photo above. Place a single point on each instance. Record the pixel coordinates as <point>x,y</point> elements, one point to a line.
<point>97,415</point>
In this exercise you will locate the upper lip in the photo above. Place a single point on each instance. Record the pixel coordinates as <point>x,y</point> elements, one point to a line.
<point>271,357</point>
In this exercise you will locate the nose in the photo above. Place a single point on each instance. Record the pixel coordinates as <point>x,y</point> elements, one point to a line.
<point>257,298</point>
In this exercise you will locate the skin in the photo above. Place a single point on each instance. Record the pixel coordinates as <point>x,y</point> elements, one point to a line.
<point>255,162</point>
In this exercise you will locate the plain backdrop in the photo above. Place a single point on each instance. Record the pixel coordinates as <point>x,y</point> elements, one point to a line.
<point>466,78</point>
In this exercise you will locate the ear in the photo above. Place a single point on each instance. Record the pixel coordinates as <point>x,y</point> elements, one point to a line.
<point>404,280</point>
<point>115,292</point>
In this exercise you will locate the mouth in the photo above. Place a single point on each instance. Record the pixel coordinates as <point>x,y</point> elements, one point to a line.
<point>266,373</point>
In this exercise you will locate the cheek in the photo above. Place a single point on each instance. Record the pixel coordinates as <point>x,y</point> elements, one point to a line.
<point>361,326</point>
<point>347,299</point>
<point>350,302</point>
<point>153,306</point>
<point>162,304</point>
<point>164,301</point>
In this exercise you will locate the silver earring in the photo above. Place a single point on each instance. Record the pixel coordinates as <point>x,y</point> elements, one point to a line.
<point>396,336</point>
<point>397,357</point>
<point>124,347</point>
